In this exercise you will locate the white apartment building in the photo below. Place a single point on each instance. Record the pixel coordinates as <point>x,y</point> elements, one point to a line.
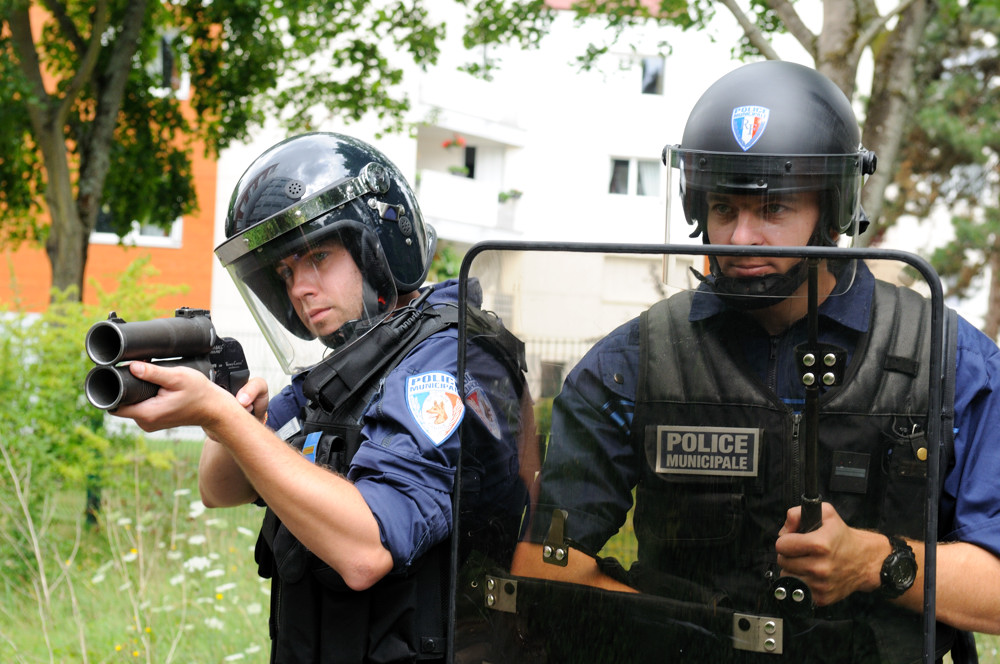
<point>550,153</point>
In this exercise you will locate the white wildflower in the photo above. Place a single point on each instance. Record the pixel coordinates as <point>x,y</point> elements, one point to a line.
<point>214,623</point>
<point>196,509</point>
<point>197,563</point>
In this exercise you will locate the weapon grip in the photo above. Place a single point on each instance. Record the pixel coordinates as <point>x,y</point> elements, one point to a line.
<point>812,514</point>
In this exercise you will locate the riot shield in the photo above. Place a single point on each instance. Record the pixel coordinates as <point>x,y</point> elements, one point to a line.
<point>663,452</point>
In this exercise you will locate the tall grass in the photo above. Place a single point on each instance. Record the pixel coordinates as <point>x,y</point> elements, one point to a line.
<point>156,579</point>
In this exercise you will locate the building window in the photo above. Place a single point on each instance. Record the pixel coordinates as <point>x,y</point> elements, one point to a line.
<point>141,235</point>
<point>169,69</point>
<point>470,161</point>
<point>638,177</point>
<point>652,75</point>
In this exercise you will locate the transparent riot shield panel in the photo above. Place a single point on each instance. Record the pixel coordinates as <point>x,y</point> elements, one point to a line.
<point>670,448</point>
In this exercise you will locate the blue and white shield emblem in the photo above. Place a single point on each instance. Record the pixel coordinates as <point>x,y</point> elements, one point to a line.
<point>433,401</point>
<point>748,124</point>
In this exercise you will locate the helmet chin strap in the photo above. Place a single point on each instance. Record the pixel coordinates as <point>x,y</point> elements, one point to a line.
<point>751,293</point>
<point>374,304</point>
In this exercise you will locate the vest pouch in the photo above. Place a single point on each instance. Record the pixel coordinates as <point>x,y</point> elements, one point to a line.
<point>687,509</point>
<point>690,513</point>
<point>904,466</point>
<point>290,556</point>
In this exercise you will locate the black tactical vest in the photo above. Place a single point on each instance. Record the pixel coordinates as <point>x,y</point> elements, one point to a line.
<point>723,465</point>
<point>315,617</point>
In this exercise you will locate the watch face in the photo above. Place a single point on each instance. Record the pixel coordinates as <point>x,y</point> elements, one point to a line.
<point>903,572</point>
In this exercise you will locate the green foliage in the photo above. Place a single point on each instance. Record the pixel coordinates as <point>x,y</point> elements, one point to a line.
<point>53,439</point>
<point>446,264</point>
<point>21,182</point>
<point>96,110</point>
<point>160,580</point>
<point>543,415</point>
<point>503,22</point>
<point>42,366</point>
<point>950,155</point>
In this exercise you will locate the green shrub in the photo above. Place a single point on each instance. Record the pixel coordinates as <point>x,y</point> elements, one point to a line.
<point>52,440</point>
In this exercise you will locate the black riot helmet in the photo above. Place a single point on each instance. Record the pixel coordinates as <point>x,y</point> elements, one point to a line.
<point>296,201</point>
<point>771,128</point>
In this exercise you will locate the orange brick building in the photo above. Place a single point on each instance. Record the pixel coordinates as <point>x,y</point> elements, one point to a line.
<point>181,256</point>
<point>185,257</point>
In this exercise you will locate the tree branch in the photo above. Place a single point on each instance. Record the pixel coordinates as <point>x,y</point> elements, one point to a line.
<point>752,32</point>
<point>793,23</point>
<point>66,25</point>
<point>88,58</point>
<point>94,162</point>
<point>24,44</point>
<point>875,27</point>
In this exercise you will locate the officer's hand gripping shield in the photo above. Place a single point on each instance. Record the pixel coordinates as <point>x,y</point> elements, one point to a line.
<point>667,451</point>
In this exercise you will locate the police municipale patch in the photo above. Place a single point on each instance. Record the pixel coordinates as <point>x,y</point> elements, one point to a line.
<point>433,401</point>
<point>480,404</point>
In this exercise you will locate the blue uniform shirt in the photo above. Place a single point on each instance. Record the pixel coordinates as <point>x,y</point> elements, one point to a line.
<point>405,467</point>
<point>594,409</point>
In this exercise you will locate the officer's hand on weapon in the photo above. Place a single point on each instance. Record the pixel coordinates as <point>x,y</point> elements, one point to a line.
<point>835,560</point>
<point>186,398</point>
<point>254,397</point>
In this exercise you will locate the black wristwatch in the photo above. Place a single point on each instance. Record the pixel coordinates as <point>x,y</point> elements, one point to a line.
<point>899,570</point>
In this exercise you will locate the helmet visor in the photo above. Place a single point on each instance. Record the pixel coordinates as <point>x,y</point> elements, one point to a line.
<point>744,205</point>
<point>315,289</point>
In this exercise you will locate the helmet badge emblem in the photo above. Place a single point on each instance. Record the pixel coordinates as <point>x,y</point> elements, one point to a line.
<point>748,124</point>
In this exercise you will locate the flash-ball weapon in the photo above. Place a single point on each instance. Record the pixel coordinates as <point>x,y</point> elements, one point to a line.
<point>188,339</point>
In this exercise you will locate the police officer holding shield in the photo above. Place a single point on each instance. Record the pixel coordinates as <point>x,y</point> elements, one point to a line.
<point>696,411</point>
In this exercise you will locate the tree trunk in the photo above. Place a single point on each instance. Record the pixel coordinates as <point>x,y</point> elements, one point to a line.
<point>891,100</point>
<point>836,56</point>
<point>991,321</point>
<point>66,244</point>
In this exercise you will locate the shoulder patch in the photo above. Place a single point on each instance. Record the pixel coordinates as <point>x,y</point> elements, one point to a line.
<point>480,404</point>
<point>433,401</point>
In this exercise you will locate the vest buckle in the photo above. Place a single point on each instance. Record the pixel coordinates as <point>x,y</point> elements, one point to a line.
<point>763,634</point>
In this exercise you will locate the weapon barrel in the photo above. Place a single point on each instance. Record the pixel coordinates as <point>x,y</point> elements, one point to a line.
<point>109,342</point>
<point>108,387</point>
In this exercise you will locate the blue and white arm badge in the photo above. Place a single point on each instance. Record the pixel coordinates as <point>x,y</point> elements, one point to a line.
<point>433,401</point>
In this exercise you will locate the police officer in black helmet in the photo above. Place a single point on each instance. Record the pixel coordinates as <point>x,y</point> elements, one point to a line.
<point>356,459</point>
<point>770,157</point>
